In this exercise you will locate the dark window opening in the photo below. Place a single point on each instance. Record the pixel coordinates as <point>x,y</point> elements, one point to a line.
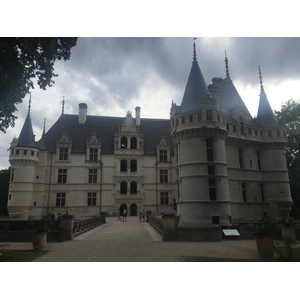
<point>133,188</point>
<point>124,142</point>
<point>133,143</point>
<point>123,188</point>
<point>133,165</point>
<point>123,165</point>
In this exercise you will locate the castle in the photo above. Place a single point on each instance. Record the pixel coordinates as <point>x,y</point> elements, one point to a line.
<point>210,163</point>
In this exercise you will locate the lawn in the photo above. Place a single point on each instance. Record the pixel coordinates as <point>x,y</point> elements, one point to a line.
<point>20,255</point>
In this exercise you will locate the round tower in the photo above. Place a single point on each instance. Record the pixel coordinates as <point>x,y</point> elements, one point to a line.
<point>199,131</point>
<point>23,158</point>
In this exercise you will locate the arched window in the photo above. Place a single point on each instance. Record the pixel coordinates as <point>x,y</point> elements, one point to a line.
<point>123,188</point>
<point>133,165</point>
<point>124,142</point>
<point>123,165</point>
<point>133,187</point>
<point>133,143</point>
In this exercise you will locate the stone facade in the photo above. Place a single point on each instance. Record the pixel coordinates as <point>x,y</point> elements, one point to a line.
<point>210,163</point>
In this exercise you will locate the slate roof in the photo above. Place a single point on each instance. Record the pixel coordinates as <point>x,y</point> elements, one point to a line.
<point>196,89</point>
<point>105,128</point>
<point>26,137</point>
<point>265,114</point>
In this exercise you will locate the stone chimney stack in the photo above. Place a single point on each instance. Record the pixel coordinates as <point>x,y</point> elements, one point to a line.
<point>82,113</point>
<point>137,116</point>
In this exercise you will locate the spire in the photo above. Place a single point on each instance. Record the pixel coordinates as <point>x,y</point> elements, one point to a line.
<point>194,55</point>
<point>196,88</point>
<point>265,114</point>
<point>29,105</point>
<point>26,138</point>
<point>44,128</point>
<point>226,65</point>
<point>63,106</point>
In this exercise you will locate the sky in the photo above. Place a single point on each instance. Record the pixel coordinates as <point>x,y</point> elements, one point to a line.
<point>115,74</point>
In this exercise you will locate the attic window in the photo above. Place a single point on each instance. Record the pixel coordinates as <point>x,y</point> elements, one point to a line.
<point>209,115</point>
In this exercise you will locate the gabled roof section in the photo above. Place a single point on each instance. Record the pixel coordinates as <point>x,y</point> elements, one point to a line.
<point>105,129</point>
<point>265,114</point>
<point>26,138</point>
<point>196,89</point>
<point>229,100</point>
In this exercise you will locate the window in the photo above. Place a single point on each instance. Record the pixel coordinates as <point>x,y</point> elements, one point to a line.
<point>93,155</point>
<point>63,153</point>
<point>278,132</point>
<point>182,120</point>
<point>209,150</point>
<point>133,165</point>
<point>60,199</point>
<point>123,165</point>
<point>215,220</point>
<point>212,189</point>
<point>17,152</point>
<point>163,155</point>
<point>164,198</point>
<point>258,160</point>
<point>242,125</point>
<point>211,170</point>
<point>123,188</point>
<point>250,131</point>
<point>92,199</point>
<point>269,132</point>
<point>92,175</point>
<point>133,143</point>
<point>133,188</point>
<point>209,115</point>
<point>163,176</point>
<point>241,158</point>
<point>262,192</point>
<point>233,128</point>
<point>255,132</point>
<point>25,152</point>
<point>12,175</point>
<point>190,118</point>
<point>62,176</point>
<point>124,142</point>
<point>244,192</point>
<point>32,153</point>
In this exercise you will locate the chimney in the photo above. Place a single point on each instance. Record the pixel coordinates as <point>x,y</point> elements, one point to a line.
<point>82,113</point>
<point>137,116</point>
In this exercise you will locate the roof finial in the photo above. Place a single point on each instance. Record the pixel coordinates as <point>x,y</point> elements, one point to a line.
<point>260,77</point>
<point>63,106</point>
<point>226,65</point>
<point>29,105</point>
<point>194,56</point>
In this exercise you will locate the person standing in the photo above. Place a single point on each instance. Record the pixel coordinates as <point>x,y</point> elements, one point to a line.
<point>124,215</point>
<point>143,215</point>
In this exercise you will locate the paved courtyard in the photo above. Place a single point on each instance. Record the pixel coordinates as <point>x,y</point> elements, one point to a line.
<point>135,241</point>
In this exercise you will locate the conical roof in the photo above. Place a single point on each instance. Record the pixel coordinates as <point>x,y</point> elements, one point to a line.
<point>26,138</point>
<point>196,89</point>
<point>265,114</point>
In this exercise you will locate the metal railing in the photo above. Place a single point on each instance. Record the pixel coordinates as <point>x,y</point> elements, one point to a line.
<point>157,223</point>
<point>83,225</point>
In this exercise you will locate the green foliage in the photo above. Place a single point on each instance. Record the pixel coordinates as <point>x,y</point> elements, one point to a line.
<point>22,60</point>
<point>4,186</point>
<point>267,226</point>
<point>290,116</point>
<point>284,250</point>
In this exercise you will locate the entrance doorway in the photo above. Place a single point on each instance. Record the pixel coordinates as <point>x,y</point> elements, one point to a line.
<point>133,209</point>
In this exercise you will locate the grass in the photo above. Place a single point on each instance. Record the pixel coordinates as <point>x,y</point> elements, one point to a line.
<point>20,255</point>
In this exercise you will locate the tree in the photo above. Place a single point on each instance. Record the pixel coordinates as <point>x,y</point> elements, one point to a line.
<point>4,185</point>
<point>290,116</point>
<point>22,60</point>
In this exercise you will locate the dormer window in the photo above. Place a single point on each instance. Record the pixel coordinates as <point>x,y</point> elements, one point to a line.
<point>63,153</point>
<point>133,143</point>
<point>209,115</point>
<point>93,155</point>
<point>124,142</point>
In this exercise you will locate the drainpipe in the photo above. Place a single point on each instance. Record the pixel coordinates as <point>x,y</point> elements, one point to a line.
<point>156,185</point>
<point>49,187</point>
<point>100,191</point>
